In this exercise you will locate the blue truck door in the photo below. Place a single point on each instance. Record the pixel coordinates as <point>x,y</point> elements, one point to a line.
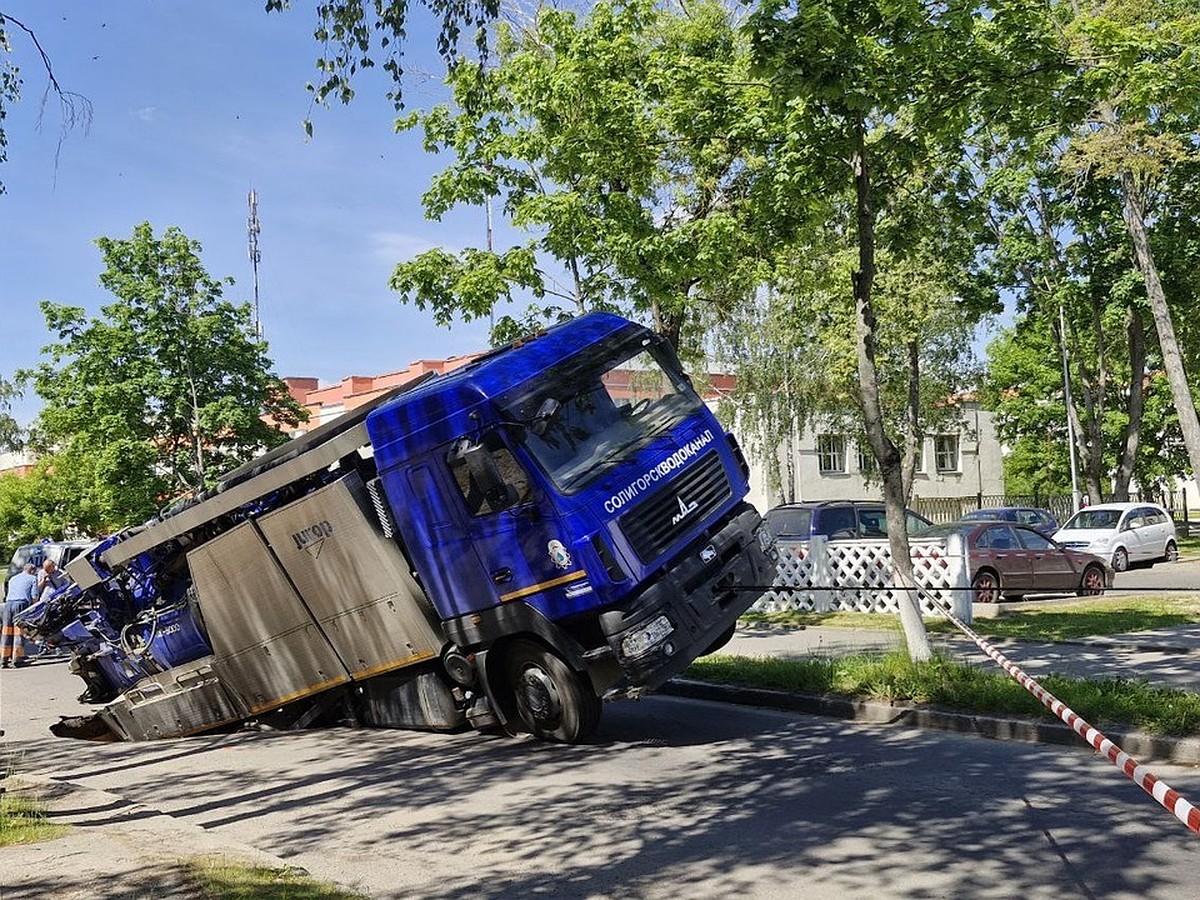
<point>516,537</point>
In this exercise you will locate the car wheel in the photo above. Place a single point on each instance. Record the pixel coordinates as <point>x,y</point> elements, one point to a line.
<point>1092,582</point>
<point>1172,552</point>
<point>554,702</point>
<point>1120,560</point>
<point>986,586</point>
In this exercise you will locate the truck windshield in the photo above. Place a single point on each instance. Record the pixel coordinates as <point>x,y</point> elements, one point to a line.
<point>595,410</point>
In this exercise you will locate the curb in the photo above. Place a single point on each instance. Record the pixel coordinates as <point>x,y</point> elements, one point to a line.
<point>1144,747</point>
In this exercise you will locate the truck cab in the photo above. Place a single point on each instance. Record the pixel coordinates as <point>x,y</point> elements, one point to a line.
<point>573,496</point>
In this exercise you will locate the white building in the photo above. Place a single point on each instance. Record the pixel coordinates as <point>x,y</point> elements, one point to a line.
<point>826,464</point>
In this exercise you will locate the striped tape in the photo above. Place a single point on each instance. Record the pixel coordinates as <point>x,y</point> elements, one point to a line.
<point>1167,797</point>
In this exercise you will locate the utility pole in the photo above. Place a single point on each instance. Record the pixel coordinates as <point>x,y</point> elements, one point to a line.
<point>1062,341</point>
<point>491,312</point>
<point>252,229</point>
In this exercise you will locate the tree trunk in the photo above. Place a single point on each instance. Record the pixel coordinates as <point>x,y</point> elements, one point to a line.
<point>1189,422</point>
<point>1087,447</point>
<point>1136,406</point>
<point>884,450</point>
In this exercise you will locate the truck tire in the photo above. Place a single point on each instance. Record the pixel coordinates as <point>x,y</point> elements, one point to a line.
<point>554,702</point>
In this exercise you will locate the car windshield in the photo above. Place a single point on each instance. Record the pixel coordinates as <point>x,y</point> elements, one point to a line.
<point>789,523</point>
<point>598,409</point>
<point>1093,518</point>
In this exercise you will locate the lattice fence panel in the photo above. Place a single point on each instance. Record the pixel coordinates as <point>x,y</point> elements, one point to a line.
<point>824,576</point>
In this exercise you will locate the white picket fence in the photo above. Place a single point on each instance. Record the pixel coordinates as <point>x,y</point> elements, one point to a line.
<point>855,576</point>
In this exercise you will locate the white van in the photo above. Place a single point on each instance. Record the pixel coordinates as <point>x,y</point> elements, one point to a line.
<point>1123,533</point>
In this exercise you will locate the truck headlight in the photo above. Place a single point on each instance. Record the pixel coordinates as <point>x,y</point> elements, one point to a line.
<point>642,640</point>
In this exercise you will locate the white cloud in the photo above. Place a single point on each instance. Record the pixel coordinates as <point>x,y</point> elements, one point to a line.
<point>391,247</point>
<point>146,113</point>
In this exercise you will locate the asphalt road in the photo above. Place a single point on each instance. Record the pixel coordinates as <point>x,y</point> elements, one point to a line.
<point>674,798</point>
<point>1162,577</point>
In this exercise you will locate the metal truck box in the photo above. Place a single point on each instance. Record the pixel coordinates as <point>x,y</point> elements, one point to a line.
<point>268,647</point>
<point>184,700</point>
<point>356,582</point>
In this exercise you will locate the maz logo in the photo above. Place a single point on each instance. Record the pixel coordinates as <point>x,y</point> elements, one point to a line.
<point>685,510</point>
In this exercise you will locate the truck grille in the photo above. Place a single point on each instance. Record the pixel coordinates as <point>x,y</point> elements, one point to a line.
<point>668,513</point>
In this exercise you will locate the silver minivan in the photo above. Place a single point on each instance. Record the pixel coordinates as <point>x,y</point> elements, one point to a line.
<point>1123,533</point>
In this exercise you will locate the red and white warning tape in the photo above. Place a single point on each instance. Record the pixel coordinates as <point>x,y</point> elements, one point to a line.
<point>1139,774</point>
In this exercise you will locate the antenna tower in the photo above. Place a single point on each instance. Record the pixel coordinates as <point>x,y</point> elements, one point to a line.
<point>252,230</point>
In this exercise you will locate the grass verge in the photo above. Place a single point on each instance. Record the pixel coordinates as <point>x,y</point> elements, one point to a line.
<point>222,879</point>
<point>945,683</point>
<point>1089,617</point>
<point>22,821</point>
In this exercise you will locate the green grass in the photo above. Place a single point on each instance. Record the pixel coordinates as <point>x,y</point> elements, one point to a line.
<point>1189,546</point>
<point>221,879</point>
<point>1089,617</point>
<point>22,821</point>
<point>947,684</point>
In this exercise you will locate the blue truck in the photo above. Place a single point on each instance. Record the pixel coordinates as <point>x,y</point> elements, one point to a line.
<point>558,523</point>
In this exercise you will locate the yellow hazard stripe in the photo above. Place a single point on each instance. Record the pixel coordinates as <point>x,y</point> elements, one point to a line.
<point>533,589</point>
<point>296,695</point>
<point>394,664</point>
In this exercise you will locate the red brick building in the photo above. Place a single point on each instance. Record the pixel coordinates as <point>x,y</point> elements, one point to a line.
<point>326,403</point>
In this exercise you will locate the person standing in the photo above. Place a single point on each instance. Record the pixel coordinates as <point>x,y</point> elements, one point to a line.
<point>22,590</point>
<point>50,580</point>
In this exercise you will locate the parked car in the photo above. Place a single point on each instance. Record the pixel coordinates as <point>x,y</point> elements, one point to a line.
<point>1123,533</point>
<point>836,520</point>
<point>1014,560</point>
<point>1037,519</point>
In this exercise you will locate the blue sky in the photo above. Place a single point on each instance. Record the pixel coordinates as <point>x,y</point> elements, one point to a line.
<point>194,104</point>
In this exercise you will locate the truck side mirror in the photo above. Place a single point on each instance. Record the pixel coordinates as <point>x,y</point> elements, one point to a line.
<point>498,493</point>
<point>545,415</point>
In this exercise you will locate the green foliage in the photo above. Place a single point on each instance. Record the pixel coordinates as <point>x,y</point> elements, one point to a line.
<point>11,433</point>
<point>623,142</point>
<point>158,395</point>
<point>355,35</point>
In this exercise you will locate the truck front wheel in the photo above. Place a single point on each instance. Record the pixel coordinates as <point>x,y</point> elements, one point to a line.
<point>554,702</point>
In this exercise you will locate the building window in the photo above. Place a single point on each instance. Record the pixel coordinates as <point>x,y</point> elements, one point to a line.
<point>945,452</point>
<point>831,454</point>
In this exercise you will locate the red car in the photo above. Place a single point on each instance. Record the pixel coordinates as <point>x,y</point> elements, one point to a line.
<point>1014,560</point>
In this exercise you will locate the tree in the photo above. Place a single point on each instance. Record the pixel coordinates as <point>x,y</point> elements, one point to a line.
<point>357,34</point>
<point>624,143</point>
<point>1137,73</point>
<point>10,89</point>
<point>886,90</point>
<point>74,109</point>
<point>11,433</point>
<point>164,391</point>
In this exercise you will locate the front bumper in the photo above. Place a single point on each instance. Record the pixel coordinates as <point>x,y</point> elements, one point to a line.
<point>701,596</point>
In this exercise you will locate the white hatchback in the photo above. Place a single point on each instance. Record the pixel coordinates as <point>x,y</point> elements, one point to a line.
<point>1123,533</point>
